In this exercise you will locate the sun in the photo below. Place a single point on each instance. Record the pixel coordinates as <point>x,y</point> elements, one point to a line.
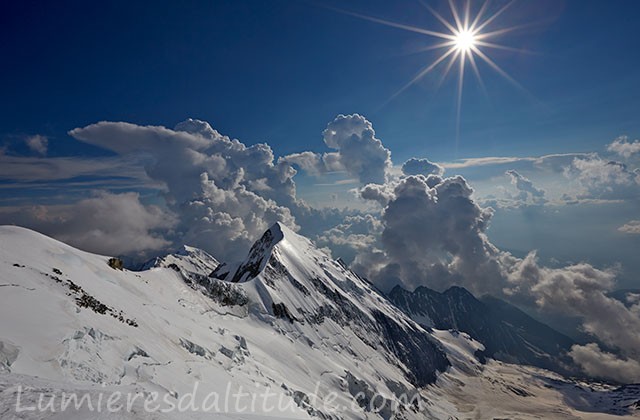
<point>465,41</point>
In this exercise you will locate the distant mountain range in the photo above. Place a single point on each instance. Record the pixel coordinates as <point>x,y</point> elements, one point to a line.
<point>508,334</point>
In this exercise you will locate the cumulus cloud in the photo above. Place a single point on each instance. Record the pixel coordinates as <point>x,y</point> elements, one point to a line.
<point>227,221</point>
<point>180,156</point>
<point>623,147</point>
<point>601,179</point>
<point>224,192</point>
<point>601,364</point>
<point>379,193</point>
<point>581,290</point>
<point>632,227</point>
<point>523,184</point>
<point>315,163</point>
<point>37,143</point>
<point>434,234</point>
<point>527,193</point>
<point>359,151</point>
<point>421,167</point>
<point>110,224</point>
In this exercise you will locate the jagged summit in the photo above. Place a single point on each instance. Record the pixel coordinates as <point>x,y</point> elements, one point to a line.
<point>278,235</point>
<point>280,229</point>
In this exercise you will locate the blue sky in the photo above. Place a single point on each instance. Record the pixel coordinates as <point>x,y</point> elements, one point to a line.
<point>278,72</point>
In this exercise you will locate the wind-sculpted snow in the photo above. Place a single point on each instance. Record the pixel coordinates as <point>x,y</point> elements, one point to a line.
<point>300,336</point>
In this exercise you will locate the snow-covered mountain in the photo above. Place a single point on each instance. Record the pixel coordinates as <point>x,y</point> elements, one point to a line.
<point>287,277</point>
<point>288,333</point>
<point>507,333</point>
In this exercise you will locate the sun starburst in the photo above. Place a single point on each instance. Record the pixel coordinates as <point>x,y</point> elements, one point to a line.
<point>465,41</point>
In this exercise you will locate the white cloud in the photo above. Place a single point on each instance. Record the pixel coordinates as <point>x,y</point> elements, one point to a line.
<point>552,161</point>
<point>581,290</point>
<point>37,143</point>
<point>484,161</point>
<point>228,221</point>
<point>632,227</point>
<point>380,193</point>
<point>601,179</point>
<point>359,151</point>
<point>600,364</point>
<point>527,193</point>
<point>315,163</point>
<point>623,147</point>
<point>224,192</point>
<point>230,191</point>
<point>109,224</point>
<point>523,184</point>
<point>434,234</point>
<point>29,169</point>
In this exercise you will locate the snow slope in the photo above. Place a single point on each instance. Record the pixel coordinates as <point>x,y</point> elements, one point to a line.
<point>295,330</point>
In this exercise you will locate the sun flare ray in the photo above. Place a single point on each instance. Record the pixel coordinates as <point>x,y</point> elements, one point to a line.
<point>392,24</point>
<point>479,15</point>
<point>493,17</point>
<point>455,14</point>
<point>423,72</point>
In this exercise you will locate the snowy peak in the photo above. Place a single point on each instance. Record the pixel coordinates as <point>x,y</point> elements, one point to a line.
<point>258,255</point>
<point>288,244</point>
<point>288,279</point>
<point>187,259</point>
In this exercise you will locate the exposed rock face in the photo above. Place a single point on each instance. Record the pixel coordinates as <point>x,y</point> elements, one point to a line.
<point>259,254</point>
<point>280,311</point>
<point>8,355</point>
<point>116,263</point>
